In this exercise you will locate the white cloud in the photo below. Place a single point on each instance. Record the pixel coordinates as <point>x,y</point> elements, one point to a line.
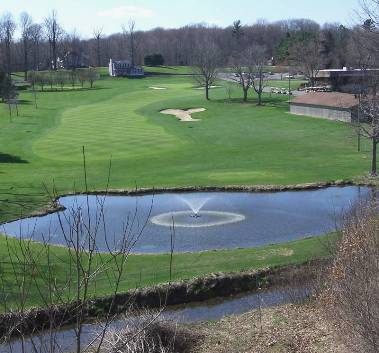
<point>126,11</point>
<point>214,22</point>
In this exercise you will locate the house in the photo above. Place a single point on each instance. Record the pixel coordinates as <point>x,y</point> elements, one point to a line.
<point>346,80</point>
<point>326,105</point>
<point>124,68</point>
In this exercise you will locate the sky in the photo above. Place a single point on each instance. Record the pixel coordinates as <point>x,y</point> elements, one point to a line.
<point>86,15</point>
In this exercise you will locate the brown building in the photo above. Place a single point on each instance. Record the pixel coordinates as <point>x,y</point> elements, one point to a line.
<point>346,80</point>
<point>332,106</point>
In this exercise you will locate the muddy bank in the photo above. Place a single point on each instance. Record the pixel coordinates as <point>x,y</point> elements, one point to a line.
<point>227,188</point>
<point>196,290</point>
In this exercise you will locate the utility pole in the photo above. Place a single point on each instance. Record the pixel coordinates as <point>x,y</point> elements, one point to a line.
<point>289,82</point>
<point>359,122</point>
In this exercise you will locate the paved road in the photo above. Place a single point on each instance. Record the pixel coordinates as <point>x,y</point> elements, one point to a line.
<point>231,78</point>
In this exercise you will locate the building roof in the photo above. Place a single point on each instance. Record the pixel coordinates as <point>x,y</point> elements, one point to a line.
<point>327,73</point>
<point>327,99</point>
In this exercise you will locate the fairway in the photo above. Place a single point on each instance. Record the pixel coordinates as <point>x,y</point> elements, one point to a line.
<point>120,119</point>
<point>149,270</point>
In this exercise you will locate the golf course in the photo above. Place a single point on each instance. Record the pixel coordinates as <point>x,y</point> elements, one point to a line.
<point>120,121</point>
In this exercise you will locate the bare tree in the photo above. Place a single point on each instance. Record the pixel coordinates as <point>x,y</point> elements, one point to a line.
<point>7,29</point>
<point>53,32</point>
<point>249,71</point>
<point>307,55</point>
<point>369,13</point>
<point>26,23</point>
<point>206,63</point>
<point>242,75</point>
<point>259,59</point>
<point>67,298</point>
<point>370,129</point>
<point>130,34</point>
<point>97,34</point>
<point>36,34</point>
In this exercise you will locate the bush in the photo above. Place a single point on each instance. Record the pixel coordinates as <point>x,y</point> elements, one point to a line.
<point>353,292</point>
<point>154,60</point>
<point>147,332</point>
<point>8,90</point>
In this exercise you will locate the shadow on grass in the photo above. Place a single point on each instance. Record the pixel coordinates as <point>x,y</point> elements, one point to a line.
<point>79,89</point>
<point>9,158</point>
<point>23,102</point>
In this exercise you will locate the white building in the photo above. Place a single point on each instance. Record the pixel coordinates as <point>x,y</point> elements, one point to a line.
<point>125,69</point>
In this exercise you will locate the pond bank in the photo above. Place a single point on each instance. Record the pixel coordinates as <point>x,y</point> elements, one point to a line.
<point>54,205</point>
<point>196,290</point>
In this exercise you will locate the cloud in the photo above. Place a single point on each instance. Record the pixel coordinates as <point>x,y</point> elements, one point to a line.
<point>126,11</point>
<point>214,22</point>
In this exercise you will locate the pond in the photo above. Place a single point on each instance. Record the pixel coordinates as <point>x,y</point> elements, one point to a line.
<point>202,221</point>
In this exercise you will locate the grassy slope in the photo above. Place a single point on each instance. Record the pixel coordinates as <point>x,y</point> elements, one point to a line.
<point>146,270</point>
<point>233,144</point>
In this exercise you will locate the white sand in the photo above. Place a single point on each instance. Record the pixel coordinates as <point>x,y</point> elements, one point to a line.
<point>209,87</point>
<point>157,88</point>
<point>183,115</point>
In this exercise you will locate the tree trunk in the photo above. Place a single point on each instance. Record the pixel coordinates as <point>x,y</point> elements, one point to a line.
<point>98,53</point>
<point>373,164</point>
<point>25,60</point>
<point>54,49</point>
<point>8,58</point>
<point>207,91</point>
<point>259,98</point>
<point>10,111</point>
<point>245,95</point>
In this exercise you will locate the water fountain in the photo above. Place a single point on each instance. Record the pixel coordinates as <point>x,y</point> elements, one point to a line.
<point>195,204</point>
<point>196,217</point>
<point>205,220</point>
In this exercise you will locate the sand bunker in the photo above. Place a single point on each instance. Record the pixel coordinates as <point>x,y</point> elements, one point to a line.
<point>157,88</point>
<point>183,115</point>
<point>209,87</point>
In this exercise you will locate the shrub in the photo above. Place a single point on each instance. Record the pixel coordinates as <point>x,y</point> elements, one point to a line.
<point>147,332</point>
<point>353,291</point>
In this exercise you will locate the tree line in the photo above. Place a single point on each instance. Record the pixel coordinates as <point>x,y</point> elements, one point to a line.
<point>61,78</point>
<point>41,45</point>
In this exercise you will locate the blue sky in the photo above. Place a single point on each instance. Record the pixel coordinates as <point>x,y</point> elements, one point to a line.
<point>84,15</point>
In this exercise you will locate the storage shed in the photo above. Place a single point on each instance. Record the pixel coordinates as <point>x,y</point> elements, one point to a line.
<point>332,106</point>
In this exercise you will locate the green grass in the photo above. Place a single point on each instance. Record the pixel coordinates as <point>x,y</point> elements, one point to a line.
<point>172,70</point>
<point>295,84</point>
<point>234,143</point>
<point>147,270</point>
